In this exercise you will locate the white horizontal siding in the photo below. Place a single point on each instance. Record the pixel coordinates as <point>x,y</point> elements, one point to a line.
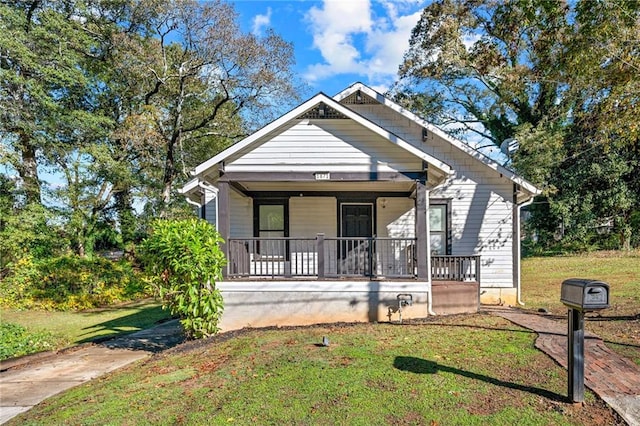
<point>481,222</point>
<point>330,145</point>
<point>309,216</point>
<point>480,198</point>
<point>396,217</point>
<point>465,165</point>
<point>241,218</point>
<point>210,207</point>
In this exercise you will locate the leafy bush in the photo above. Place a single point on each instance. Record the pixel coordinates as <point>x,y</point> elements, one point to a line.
<point>16,341</point>
<point>27,232</point>
<point>69,283</point>
<point>184,260</point>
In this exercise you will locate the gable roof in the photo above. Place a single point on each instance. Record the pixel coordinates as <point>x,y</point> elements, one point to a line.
<point>462,146</point>
<point>257,137</point>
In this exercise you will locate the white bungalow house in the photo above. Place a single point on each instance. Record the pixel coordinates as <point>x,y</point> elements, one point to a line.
<point>353,209</point>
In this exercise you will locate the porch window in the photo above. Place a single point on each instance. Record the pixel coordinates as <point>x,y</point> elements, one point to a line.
<point>271,221</point>
<point>438,229</point>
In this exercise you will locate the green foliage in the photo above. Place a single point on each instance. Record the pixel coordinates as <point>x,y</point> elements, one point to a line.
<point>26,232</point>
<point>184,260</point>
<point>488,66</point>
<point>559,77</point>
<point>475,370</point>
<point>69,283</point>
<point>16,341</point>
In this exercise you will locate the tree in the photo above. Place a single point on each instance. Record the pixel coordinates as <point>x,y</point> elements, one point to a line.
<point>487,66</point>
<point>120,99</point>
<point>25,231</point>
<point>561,78</point>
<point>42,86</point>
<point>198,78</point>
<point>591,175</point>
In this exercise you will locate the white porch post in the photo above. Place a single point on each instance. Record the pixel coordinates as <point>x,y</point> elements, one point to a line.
<point>428,233</point>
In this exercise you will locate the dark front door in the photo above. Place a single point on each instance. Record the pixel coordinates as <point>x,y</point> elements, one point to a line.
<point>357,230</point>
<point>357,220</point>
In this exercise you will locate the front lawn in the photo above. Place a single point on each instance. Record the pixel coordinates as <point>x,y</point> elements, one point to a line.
<point>60,329</point>
<point>459,370</point>
<point>465,369</point>
<point>618,326</point>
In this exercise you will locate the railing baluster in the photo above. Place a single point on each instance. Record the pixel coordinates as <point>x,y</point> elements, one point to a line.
<point>320,256</point>
<point>455,268</point>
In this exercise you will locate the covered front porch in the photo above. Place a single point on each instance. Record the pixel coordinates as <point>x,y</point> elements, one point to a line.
<point>354,247</point>
<point>324,257</point>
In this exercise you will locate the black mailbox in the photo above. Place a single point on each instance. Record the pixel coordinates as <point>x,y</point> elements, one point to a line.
<point>584,294</point>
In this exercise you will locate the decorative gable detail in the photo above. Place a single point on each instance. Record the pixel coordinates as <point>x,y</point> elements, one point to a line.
<point>359,98</point>
<point>322,111</point>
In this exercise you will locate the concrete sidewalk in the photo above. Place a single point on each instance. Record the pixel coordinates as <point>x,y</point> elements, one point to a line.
<point>27,381</point>
<point>613,378</point>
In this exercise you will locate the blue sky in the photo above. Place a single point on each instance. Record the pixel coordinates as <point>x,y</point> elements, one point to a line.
<point>338,42</point>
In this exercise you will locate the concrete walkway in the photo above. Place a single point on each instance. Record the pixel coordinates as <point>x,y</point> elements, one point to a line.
<point>26,381</point>
<point>613,378</point>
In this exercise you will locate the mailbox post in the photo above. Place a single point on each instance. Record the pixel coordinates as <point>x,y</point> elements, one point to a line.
<point>581,296</point>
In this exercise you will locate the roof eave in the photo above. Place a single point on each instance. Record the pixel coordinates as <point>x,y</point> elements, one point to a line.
<point>291,115</point>
<point>440,133</point>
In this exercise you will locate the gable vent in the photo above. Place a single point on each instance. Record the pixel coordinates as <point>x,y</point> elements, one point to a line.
<point>359,98</point>
<point>322,111</point>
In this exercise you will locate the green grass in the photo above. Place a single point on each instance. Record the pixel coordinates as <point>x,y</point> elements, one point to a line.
<point>462,370</point>
<point>15,340</point>
<point>618,326</point>
<point>69,328</point>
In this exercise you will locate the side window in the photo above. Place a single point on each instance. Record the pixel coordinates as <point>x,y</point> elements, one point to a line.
<point>438,229</point>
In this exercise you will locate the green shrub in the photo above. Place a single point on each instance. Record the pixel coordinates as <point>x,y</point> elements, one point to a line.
<point>16,341</point>
<point>27,232</point>
<point>184,260</point>
<point>69,283</point>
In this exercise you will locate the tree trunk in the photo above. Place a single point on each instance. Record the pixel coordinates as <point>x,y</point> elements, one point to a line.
<point>80,249</point>
<point>167,180</point>
<point>28,170</point>
<point>625,237</point>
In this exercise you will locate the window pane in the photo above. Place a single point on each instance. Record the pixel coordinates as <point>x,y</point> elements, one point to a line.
<point>271,234</point>
<point>436,218</point>
<point>271,218</point>
<point>437,243</point>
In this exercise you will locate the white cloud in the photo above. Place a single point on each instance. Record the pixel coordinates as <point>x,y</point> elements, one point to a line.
<point>469,40</point>
<point>334,27</point>
<point>260,22</point>
<point>361,37</point>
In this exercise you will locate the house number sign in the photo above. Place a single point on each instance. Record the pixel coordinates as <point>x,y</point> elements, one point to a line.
<point>323,176</point>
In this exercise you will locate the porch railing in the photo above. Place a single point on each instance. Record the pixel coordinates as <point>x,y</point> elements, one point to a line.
<point>455,268</point>
<point>340,257</point>
<point>321,257</point>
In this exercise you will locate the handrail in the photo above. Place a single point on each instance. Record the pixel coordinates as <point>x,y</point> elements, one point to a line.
<point>321,257</point>
<point>339,257</point>
<point>455,268</point>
